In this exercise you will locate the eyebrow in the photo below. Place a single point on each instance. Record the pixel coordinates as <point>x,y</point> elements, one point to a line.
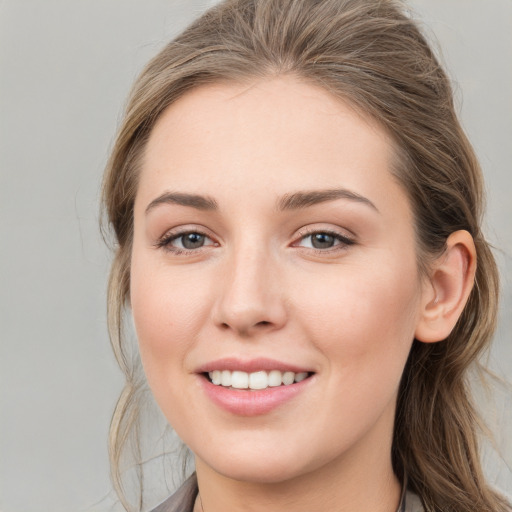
<point>304,199</point>
<point>193,200</point>
<point>296,201</point>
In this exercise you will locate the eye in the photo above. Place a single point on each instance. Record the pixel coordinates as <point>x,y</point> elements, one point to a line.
<point>324,240</point>
<point>189,241</point>
<point>321,240</point>
<point>185,241</point>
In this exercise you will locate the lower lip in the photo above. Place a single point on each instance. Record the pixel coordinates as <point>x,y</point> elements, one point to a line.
<point>252,402</point>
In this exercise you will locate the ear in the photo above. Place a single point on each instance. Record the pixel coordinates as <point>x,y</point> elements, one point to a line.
<point>446,292</point>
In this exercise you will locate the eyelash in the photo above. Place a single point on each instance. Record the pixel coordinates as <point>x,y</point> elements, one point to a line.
<point>166,241</point>
<point>343,240</point>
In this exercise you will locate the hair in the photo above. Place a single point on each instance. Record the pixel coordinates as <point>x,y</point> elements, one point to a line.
<point>372,55</point>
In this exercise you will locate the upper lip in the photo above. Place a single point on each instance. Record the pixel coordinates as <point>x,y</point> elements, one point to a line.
<point>250,365</point>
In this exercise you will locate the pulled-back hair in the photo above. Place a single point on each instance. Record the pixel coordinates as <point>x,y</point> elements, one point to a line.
<point>370,54</point>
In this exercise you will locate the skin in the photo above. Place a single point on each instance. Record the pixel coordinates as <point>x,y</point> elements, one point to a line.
<point>258,288</point>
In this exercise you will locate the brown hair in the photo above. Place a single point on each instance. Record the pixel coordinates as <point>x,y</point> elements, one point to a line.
<point>371,54</point>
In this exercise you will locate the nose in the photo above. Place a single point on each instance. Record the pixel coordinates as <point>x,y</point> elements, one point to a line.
<point>251,298</point>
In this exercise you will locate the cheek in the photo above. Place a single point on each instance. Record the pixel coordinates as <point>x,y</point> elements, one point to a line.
<point>167,310</point>
<point>364,319</point>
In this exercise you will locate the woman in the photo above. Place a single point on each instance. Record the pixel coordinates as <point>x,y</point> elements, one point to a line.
<point>297,212</point>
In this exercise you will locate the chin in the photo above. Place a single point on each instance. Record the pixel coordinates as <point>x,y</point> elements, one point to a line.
<point>263,465</point>
<point>258,472</point>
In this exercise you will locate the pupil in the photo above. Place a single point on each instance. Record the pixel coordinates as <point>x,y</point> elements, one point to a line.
<point>322,241</point>
<point>193,240</point>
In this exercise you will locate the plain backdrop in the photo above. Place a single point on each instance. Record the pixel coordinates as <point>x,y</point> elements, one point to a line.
<point>65,70</point>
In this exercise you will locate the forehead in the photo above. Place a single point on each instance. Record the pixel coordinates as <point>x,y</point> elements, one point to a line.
<point>275,135</point>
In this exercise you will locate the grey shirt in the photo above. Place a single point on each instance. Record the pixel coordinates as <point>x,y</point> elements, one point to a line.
<point>183,499</point>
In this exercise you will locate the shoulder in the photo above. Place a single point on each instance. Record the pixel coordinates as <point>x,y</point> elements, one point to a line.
<point>412,502</point>
<point>182,500</point>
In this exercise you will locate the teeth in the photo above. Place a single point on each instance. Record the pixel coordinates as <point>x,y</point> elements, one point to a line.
<point>239,380</point>
<point>255,380</point>
<point>288,378</point>
<point>275,378</point>
<point>301,376</point>
<point>258,380</point>
<point>225,378</point>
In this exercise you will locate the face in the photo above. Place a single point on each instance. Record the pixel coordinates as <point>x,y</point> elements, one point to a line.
<point>274,279</point>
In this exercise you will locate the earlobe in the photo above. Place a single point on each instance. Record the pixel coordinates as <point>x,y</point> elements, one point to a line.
<point>447,291</point>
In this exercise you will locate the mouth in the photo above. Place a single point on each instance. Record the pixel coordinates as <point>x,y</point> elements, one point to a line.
<point>255,381</point>
<point>253,387</point>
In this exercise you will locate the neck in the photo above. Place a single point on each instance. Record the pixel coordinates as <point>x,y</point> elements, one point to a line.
<point>362,480</point>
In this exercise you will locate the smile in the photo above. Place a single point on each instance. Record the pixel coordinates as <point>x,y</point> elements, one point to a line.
<point>255,380</point>
<point>253,387</point>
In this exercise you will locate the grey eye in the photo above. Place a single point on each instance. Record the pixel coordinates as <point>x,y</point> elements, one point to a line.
<point>322,240</point>
<point>191,240</point>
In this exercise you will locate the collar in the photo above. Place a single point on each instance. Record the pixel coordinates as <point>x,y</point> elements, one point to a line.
<point>185,496</point>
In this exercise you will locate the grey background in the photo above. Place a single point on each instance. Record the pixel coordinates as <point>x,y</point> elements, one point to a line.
<point>65,69</point>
